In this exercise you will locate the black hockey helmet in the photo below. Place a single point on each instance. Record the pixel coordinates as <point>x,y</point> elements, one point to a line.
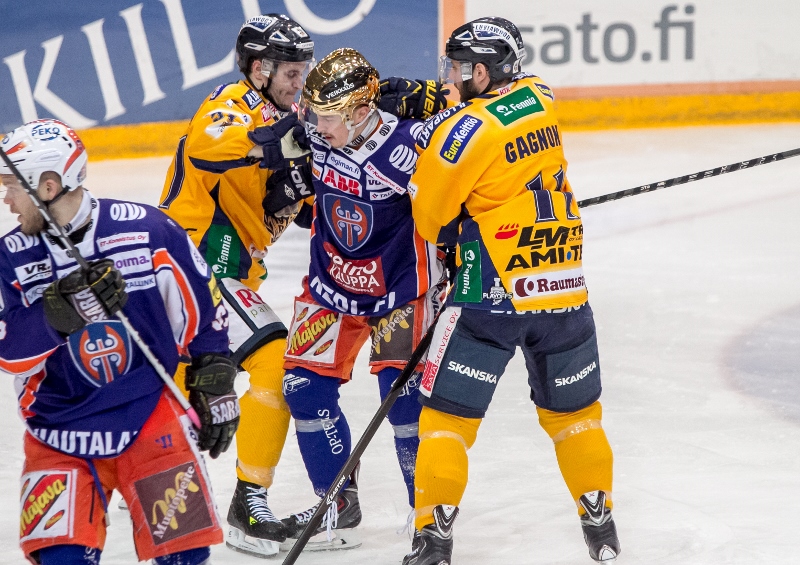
<point>495,42</point>
<point>274,37</point>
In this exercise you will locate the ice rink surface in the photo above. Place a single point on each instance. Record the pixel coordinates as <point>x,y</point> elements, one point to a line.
<point>696,296</point>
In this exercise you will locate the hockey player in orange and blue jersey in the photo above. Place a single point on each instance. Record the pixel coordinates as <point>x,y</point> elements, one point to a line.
<point>492,178</point>
<point>96,412</point>
<point>372,279</point>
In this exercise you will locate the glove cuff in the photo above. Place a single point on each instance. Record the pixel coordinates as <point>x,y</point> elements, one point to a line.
<point>211,374</point>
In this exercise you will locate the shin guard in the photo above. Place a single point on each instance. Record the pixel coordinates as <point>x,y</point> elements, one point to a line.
<point>404,418</point>
<point>264,417</point>
<point>582,449</point>
<point>442,463</point>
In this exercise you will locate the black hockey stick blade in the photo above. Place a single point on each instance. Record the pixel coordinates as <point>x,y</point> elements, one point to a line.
<point>749,164</point>
<point>363,442</point>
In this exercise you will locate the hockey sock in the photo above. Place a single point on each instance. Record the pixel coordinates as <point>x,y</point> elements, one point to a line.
<point>199,556</point>
<point>69,555</point>
<point>264,420</point>
<point>323,434</point>
<point>582,449</point>
<point>442,463</point>
<point>404,417</point>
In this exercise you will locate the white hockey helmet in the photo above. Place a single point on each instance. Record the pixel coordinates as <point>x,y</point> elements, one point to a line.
<point>46,145</point>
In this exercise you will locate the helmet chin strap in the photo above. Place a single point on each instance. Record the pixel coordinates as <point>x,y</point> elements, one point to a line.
<point>351,127</point>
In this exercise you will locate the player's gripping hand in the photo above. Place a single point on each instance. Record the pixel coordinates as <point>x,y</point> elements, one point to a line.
<point>85,295</point>
<point>281,143</point>
<point>287,188</point>
<point>419,99</point>
<point>209,380</point>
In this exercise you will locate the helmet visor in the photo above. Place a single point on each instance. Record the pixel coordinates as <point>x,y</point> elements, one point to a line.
<point>328,120</point>
<point>287,75</point>
<point>452,71</point>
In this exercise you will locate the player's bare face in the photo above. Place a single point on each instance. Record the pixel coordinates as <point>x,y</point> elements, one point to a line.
<point>19,203</point>
<point>284,84</point>
<point>332,128</point>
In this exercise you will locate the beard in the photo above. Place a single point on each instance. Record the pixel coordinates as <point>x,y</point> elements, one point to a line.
<point>467,90</point>
<point>33,225</point>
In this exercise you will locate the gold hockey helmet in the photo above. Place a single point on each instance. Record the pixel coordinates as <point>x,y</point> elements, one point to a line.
<point>340,82</point>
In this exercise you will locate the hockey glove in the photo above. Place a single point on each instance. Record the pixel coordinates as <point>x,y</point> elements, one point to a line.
<point>84,296</point>
<point>419,99</point>
<point>209,380</point>
<point>282,143</point>
<point>288,187</point>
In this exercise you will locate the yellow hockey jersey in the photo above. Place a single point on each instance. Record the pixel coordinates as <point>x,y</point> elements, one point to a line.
<point>215,192</point>
<point>492,176</point>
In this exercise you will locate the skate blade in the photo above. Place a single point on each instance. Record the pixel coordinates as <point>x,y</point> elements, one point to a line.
<point>342,539</point>
<point>256,547</point>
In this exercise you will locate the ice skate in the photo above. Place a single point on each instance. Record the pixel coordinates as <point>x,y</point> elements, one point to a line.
<point>433,545</point>
<point>253,528</point>
<point>336,530</point>
<point>598,526</point>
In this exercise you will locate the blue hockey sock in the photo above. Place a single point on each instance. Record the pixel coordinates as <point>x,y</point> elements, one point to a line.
<point>69,555</point>
<point>323,434</point>
<point>404,417</point>
<point>197,556</point>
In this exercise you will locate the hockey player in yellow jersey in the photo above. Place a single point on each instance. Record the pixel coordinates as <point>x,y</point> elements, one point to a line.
<point>492,178</point>
<point>233,210</point>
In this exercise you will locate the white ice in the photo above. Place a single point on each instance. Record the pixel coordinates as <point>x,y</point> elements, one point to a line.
<point>697,301</point>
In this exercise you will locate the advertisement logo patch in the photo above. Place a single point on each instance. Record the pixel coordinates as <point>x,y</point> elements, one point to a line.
<point>307,333</point>
<point>175,503</point>
<point>45,501</point>
<point>548,284</point>
<point>458,138</point>
<point>359,276</point>
<point>515,105</point>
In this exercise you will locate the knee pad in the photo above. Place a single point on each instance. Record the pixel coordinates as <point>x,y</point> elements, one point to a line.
<point>404,413</point>
<point>562,425</point>
<point>198,556</point>
<point>69,555</point>
<point>265,366</point>
<point>311,396</point>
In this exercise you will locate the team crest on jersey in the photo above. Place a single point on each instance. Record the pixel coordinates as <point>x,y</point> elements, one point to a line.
<point>101,351</point>
<point>350,220</point>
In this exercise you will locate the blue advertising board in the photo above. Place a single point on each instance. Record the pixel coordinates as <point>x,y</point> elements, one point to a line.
<point>127,62</point>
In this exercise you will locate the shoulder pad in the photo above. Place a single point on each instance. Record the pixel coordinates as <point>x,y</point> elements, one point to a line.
<point>431,124</point>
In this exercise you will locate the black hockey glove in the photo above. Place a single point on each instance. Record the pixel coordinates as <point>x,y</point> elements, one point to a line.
<point>282,143</point>
<point>209,380</point>
<point>288,187</point>
<point>419,99</point>
<point>83,296</point>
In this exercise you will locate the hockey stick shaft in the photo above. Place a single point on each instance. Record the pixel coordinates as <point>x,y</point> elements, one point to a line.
<point>83,264</point>
<point>749,164</point>
<point>363,442</point>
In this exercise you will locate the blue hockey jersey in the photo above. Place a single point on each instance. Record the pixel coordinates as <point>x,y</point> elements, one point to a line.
<point>366,255</point>
<point>89,394</point>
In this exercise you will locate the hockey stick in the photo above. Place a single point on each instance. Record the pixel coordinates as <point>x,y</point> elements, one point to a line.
<point>363,442</point>
<point>750,163</point>
<point>82,263</point>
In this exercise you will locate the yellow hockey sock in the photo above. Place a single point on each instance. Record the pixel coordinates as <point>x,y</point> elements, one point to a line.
<point>582,449</point>
<point>442,463</point>
<point>264,420</point>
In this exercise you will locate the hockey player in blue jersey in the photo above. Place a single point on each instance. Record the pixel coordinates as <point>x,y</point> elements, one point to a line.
<point>97,414</point>
<point>371,277</point>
